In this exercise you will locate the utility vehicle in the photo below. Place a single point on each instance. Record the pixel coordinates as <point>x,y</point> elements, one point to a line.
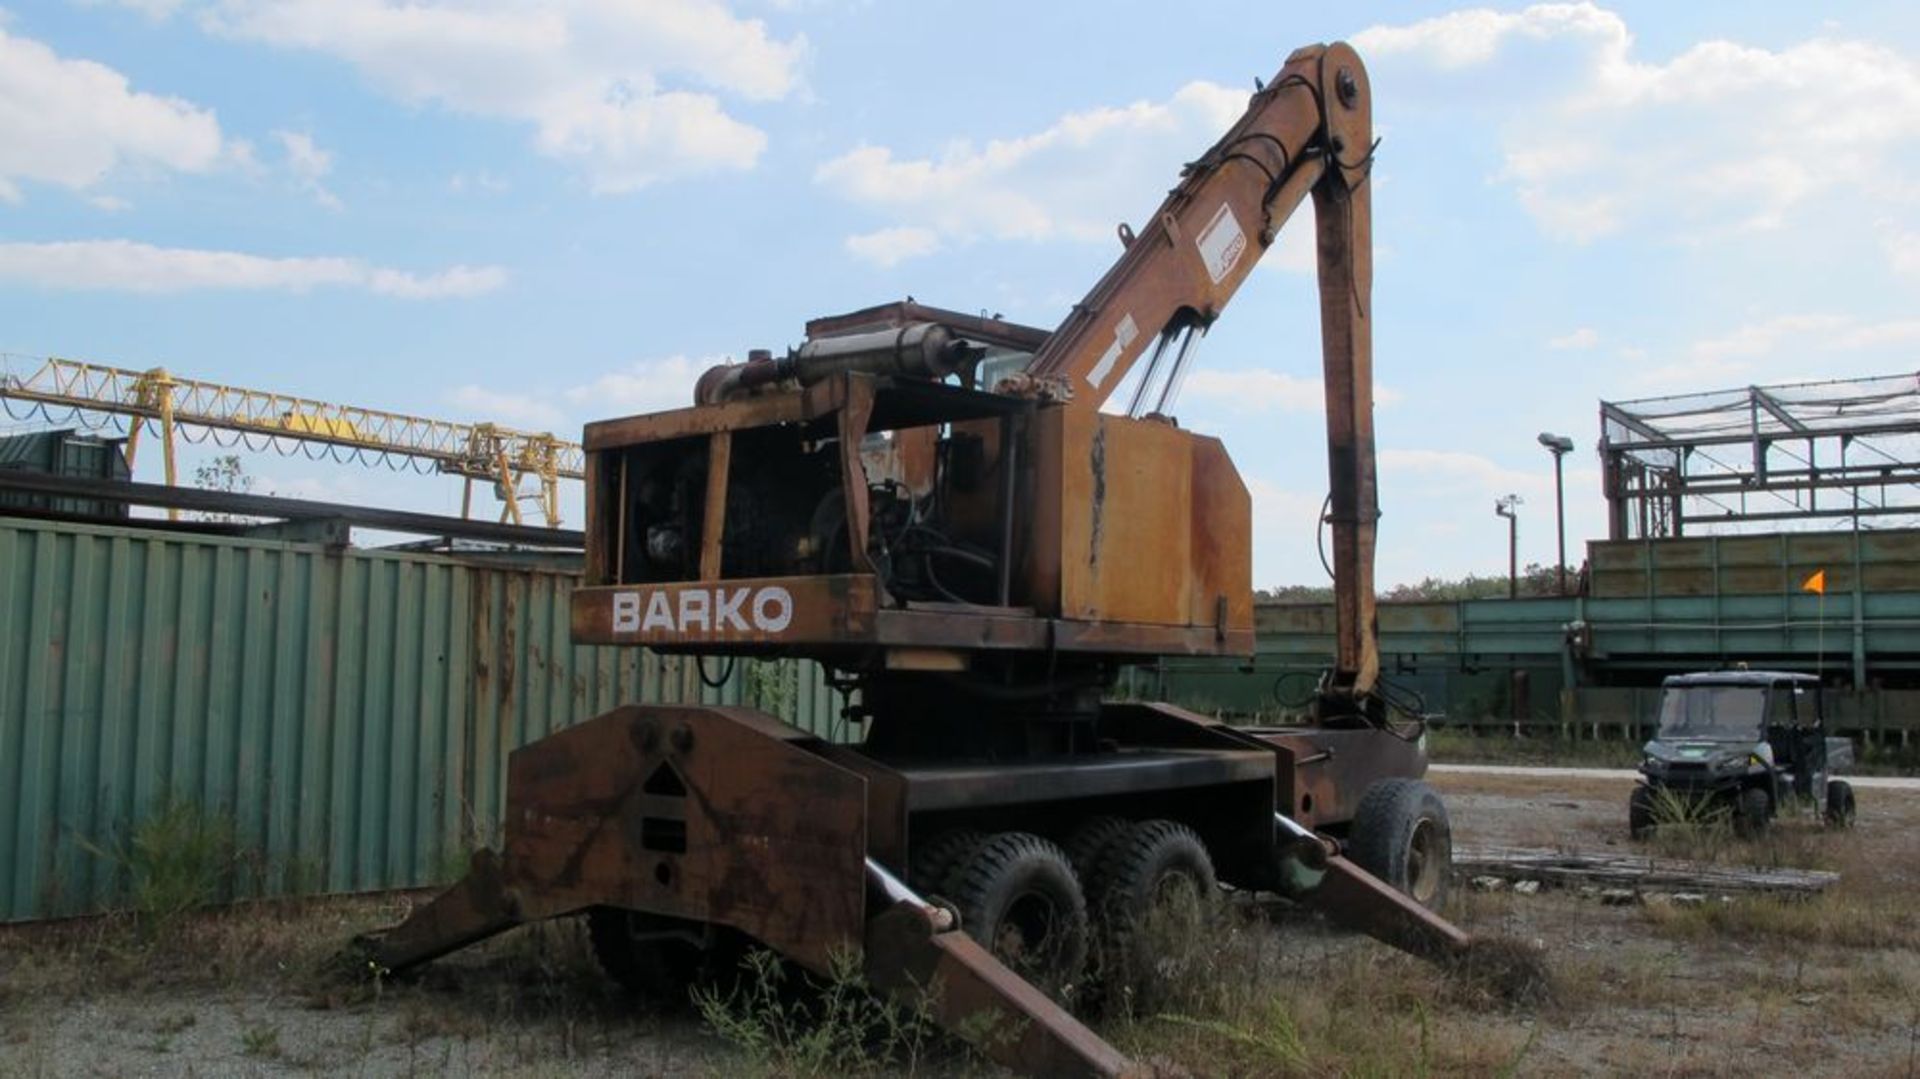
<point>1741,743</point>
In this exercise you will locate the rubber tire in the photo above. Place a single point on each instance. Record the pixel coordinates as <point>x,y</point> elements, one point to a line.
<point>933,864</point>
<point>1391,814</point>
<point>1126,883</point>
<point>1089,842</point>
<point>1640,822</point>
<point>1840,803</point>
<point>656,969</point>
<point>1752,812</point>
<point>1013,873</point>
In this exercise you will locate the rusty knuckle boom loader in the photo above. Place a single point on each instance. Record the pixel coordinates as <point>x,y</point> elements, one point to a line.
<point>936,506</point>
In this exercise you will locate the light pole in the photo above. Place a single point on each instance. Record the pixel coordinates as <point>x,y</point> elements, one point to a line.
<point>1559,446</point>
<point>1503,506</point>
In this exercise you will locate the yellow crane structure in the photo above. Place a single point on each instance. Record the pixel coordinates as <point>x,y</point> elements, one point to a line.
<point>522,466</point>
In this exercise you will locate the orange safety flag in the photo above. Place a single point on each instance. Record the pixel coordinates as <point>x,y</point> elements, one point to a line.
<point>1815,583</point>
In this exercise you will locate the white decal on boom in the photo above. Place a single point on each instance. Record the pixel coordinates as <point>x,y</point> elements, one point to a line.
<point>1123,336</point>
<point>703,610</point>
<point>1221,243</point>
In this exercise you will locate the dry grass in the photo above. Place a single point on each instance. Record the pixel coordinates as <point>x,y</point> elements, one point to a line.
<point>1462,747</point>
<point>1821,987</point>
<point>275,942</point>
<point>1251,997</point>
<point>257,988</point>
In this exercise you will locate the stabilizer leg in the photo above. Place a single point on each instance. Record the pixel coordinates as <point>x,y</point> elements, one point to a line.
<point>1319,877</point>
<point>977,998</point>
<point>1358,900</point>
<point>478,906</point>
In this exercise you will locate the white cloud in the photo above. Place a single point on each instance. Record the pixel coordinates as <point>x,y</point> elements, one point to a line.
<point>639,387</point>
<point>1296,249</point>
<point>112,204</point>
<point>1462,39</point>
<point>643,386</point>
<point>1583,338</point>
<point>127,266</point>
<point>1255,391</point>
<point>889,247</point>
<point>1076,179</point>
<point>152,9</point>
<point>1761,338</point>
<point>589,75</point>
<point>1903,250</point>
<point>1721,138</point>
<point>460,183</point>
<point>74,122</point>
<point>309,166</point>
<point>454,282</point>
<point>1879,334</point>
<point>1756,351</point>
<point>512,409</point>
<point>1456,472</point>
<point>1286,523</point>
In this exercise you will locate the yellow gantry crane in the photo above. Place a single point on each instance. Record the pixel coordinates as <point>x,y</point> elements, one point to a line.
<point>522,466</point>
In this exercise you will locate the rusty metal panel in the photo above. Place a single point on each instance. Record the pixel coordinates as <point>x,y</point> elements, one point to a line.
<point>1685,580</point>
<point>1771,564</point>
<point>347,714</point>
<point>1117,476</point>
<point>1748,550</point>
<point>1680,553</point>
<point>1222,550</point>
<point>695,834</point>
<point>1099,481</point>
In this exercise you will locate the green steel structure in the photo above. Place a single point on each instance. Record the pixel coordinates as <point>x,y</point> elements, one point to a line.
<point>349,712</point>
<point>1651,608</point>
<point>63,453</point>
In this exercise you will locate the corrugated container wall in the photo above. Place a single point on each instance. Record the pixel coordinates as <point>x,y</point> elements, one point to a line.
<point>348,712</point>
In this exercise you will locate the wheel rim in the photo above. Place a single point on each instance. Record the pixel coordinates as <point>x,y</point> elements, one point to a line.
<point>1425,861</point>
<point>1027,938</point>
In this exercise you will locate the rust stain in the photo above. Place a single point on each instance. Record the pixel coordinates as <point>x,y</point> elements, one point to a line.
<point>1099,494</point>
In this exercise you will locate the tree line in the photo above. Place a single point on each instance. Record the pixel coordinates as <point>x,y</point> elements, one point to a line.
<point>1535,580</point>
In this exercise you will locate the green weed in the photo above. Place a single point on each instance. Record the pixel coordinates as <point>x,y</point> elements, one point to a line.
<point>262,1042</point>
<point>179,858</point>
<point>790,1025</point>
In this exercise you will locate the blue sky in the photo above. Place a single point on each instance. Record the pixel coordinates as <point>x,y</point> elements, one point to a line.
<point>544,214</point>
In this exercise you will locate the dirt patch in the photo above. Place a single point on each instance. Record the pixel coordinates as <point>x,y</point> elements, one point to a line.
<point>254,992</point>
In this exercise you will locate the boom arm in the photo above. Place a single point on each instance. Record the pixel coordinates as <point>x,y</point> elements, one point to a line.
<point>1310,130</point>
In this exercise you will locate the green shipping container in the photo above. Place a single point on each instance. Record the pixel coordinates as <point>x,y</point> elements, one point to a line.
<point>349,713</point>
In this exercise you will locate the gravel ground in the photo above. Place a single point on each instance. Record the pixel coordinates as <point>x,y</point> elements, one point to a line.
<point>1831,988</point>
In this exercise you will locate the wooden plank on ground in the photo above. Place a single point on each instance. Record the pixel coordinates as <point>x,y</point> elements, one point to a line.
<point>1563,869</point>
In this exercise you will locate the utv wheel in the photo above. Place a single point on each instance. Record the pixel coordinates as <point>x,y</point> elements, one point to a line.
<point>1640,812</point>
<point>933,865</point>
<point>1018,897</point>
<point>1752,811</point>
<point>632,950</point>
<point>1840,805</point>
<point>1401,835</point>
